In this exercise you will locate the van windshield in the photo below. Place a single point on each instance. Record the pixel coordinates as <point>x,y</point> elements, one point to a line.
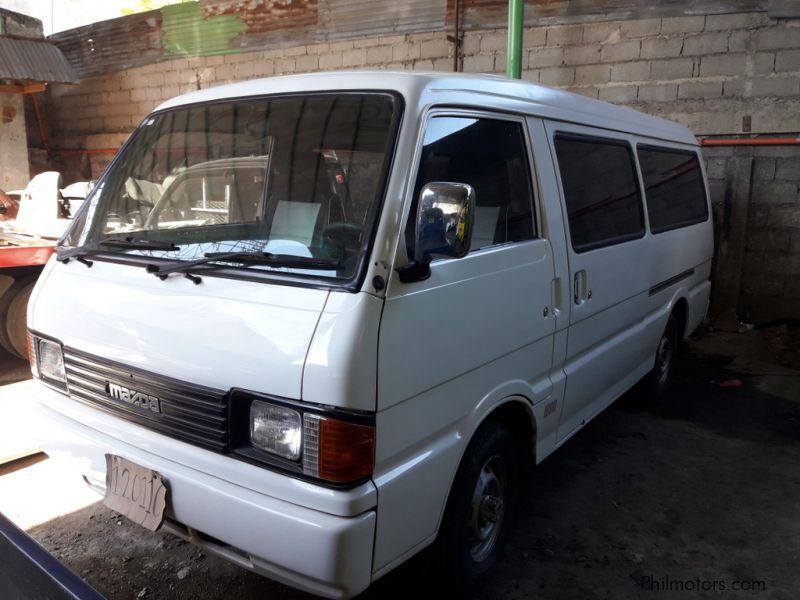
<point>298,175</point>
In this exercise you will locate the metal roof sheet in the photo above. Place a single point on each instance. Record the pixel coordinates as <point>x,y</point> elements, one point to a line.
<point>34,60</point>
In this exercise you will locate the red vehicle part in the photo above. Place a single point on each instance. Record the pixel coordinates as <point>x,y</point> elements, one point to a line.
<point>24,256</point>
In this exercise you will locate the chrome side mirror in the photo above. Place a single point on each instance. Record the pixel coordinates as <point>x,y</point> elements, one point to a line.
<point>444,222</point>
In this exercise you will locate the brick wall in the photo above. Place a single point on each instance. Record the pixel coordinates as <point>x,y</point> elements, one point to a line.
<point>718,74</point>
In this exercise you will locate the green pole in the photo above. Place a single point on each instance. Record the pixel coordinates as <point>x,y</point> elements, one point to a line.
<point>514,55</point>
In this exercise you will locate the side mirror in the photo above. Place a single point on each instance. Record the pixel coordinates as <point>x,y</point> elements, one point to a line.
<point>445,214</point>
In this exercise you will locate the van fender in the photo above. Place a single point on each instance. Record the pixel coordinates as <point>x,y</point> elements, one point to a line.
<point>516,392</point>
<point>679,302</point>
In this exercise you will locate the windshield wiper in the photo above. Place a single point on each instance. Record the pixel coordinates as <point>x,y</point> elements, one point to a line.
<point>129,243</point>
<point>245,258</point>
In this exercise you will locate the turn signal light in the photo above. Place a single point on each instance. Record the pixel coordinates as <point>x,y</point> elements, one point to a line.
<point>338,451</point>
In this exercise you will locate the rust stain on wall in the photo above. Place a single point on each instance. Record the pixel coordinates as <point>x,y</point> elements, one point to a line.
<point>9,112</point>
<point>262,16</point>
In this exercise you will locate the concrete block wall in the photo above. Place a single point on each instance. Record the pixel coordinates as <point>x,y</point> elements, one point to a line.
<point>765,205</point>
<point>713,73</point>
<point>14,173</point>
<point>14,23</point>
<point>718,74</point>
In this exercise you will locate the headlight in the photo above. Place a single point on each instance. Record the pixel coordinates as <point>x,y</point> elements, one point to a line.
<point>47,361</point>
<point>276,429</point>
<point>331,445</point>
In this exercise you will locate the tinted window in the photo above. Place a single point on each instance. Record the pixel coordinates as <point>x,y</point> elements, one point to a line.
<point>489,155</point>
<point>673,187</point>
<point>600,188</point>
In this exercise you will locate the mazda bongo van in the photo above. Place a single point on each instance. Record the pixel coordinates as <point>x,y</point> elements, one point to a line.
<point>316,323</point>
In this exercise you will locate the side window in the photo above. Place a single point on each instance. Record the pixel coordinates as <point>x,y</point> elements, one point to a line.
<point>489,155</point>
<point>604,206</point>
<point>673,187</point>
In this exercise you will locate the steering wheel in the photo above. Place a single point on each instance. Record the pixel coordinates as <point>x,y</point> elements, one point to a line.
<point>340,240</point>
<point>341,232</point>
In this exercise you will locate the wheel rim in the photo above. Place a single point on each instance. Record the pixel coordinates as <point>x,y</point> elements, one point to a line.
<point>488,509</point>
<point>664,358</point>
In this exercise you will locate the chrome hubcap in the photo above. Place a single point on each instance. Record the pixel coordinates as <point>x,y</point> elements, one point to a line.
<point>663,359</point>
<point>488,509</point>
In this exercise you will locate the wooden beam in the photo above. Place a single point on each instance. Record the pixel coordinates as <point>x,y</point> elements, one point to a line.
<point>31,88</point>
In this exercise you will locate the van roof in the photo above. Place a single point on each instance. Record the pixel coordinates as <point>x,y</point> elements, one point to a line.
<point>424,88</point>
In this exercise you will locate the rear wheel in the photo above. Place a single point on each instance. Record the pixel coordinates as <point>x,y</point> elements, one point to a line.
<point>667,350</point>
<point>480,510</point>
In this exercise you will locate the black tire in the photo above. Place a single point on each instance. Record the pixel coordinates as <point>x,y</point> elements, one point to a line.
<point>5,302</point>
<point>482,502</point>
<point>660,378</point>
<point>16,320</point>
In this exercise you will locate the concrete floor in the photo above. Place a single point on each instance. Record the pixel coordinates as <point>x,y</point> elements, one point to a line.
<point>702,489</point>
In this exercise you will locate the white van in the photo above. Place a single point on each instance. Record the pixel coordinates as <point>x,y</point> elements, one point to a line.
<point>315,323</point>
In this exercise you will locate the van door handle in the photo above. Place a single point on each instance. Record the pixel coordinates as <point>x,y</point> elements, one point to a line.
<point>579,293</point>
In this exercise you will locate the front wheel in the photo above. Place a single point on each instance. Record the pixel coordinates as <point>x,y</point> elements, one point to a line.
<point>480,510</point>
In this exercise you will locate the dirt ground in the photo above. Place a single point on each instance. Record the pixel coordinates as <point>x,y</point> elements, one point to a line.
<point>703,489</point>
<point>12,368</point>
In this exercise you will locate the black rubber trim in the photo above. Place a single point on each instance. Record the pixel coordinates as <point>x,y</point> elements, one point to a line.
<point>29,571</point>
<point>660,287</point>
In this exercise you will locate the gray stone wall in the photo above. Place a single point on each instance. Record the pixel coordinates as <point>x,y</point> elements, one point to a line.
<point>13,23</point>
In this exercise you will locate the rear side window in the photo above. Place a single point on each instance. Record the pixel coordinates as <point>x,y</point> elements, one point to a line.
<point>673,187</point>
<point>604,205</point>
<point>489,155</point>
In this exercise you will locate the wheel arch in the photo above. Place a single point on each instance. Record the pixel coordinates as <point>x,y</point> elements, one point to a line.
<point>513,411</point>
<point>680,308</point>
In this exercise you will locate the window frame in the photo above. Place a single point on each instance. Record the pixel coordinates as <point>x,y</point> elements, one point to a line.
<point>352,284</point>
<point>474,113</point>
<point>610,141</point>
<point>673,150</point>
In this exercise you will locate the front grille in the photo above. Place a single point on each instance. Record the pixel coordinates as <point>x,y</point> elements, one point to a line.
<point>190,413</point>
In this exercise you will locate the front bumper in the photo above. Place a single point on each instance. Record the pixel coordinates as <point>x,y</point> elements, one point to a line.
<point>326,554</point>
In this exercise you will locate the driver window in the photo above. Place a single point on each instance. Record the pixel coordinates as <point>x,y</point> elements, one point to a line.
<point>489,155</point>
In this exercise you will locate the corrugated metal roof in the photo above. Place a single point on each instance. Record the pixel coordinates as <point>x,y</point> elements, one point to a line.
<point>113,45</point>
<point>346,19</point>
<point>34,60</point>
